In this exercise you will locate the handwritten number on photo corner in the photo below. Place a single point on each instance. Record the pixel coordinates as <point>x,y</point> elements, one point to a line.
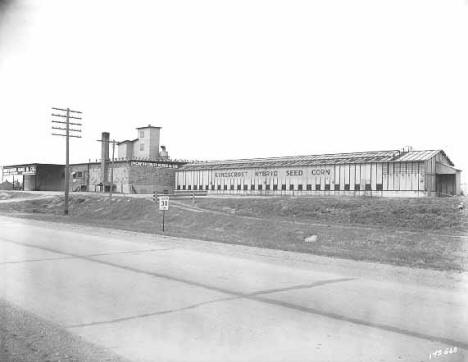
<point>440,352</point>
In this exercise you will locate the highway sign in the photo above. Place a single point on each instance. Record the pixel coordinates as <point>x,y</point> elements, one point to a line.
<point>163,203</point>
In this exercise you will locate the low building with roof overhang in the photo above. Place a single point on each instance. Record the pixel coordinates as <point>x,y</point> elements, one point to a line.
<point>35,176</point>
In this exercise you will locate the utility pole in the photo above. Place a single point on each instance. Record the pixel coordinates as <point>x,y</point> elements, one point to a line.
<point>112,164</point>
<point>66,113</point>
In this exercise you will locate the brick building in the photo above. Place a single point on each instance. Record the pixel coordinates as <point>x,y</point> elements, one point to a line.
<point>139,167</point>
<point>129,176</point>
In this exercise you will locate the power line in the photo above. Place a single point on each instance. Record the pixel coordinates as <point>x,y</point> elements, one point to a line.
<point>67,132</point>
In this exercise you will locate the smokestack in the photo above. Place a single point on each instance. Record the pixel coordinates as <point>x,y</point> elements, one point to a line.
<point>104,157</point>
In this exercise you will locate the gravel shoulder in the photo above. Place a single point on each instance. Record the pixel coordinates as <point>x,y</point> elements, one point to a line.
<point>26,337</point>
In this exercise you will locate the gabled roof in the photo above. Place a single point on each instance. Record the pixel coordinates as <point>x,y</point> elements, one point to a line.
<point>148,126</point>
<point>127,141</point>
<point>422,156</point>
<point>316,160</point>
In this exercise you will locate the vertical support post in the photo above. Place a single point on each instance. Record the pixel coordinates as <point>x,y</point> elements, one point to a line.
<point>112,169</point>
<point>67,162</point>
<point>164,212</point>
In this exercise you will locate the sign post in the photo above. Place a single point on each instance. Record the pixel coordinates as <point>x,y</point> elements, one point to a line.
<point>163,206</point>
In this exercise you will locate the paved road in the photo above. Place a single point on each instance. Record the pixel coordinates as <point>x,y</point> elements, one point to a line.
<point>167,299</point>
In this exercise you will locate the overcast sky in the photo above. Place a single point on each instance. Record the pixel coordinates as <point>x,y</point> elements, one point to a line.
<point>236,79</point>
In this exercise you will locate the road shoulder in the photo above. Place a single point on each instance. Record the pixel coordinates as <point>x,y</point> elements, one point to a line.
<point>26,337</point>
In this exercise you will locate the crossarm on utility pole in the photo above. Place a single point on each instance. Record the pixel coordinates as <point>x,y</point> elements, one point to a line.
<point>61,115</point>
<point>68,110</point>
<point>68,133</point>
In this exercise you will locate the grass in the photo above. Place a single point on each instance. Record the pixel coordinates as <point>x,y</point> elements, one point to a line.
<point>408,213</point>
<point>421,233</point>
<point>8,195</point>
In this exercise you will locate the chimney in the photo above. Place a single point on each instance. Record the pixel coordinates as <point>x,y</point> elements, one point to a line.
<point>104,157</point>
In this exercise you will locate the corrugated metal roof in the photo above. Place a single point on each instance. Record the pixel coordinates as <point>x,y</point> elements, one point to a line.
<point>31,164</point>
<point>315,160</point>
<point>422,156</point>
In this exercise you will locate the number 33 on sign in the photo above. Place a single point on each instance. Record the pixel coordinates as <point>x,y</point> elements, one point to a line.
<point>163,203</point>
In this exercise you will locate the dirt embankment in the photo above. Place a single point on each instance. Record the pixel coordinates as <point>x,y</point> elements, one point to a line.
<point>424,233</point>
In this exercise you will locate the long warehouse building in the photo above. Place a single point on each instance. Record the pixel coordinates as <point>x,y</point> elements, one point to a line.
<point>395,173</point>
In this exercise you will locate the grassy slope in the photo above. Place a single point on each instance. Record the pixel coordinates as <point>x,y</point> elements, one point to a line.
<point>6,195</point>
<point>415,214</point>
<point>284,223</point>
